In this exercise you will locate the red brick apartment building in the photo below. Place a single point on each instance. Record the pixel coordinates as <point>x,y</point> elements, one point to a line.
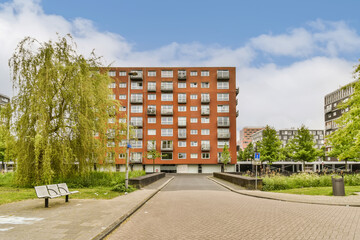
<point>190,113</point>
<point>245,135</point>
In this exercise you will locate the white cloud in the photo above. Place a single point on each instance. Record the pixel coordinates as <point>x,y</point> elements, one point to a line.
<point>281,96</point>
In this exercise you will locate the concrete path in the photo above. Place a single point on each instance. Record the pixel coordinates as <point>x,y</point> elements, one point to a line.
<point>78,219</point>
<point>194,207</point>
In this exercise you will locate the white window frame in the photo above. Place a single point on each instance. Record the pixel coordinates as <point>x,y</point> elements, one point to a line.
<point>122,73</point>
<point>182,85</point>
<point>181,108</point>
<point>181,143</point>
<point>151,132</point>
<point>205,131</point>
<point>205,73</point>
<point>193,96</point>
<point>151,73</point>
<point>167,132</point>
<point>193,155</point>
<point>205,85</point>
<point>193,73</point>
<point>122,96</point>
<point>167,73</point>
<point>152,120</point>
<point>151,97</point>
<point>193,144</point>
<point>122,85</point>
<point>193,120</point>
<point>193,132</point>
<point>167,97</point>
<point>223,97</point>
<point>193,108</point>
<point>193,85</point>
<point>183,156</point>
<point>167,120</point>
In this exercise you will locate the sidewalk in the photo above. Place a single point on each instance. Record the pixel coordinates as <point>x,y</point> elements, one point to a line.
<point>78,219</point>
<point>351,201</point>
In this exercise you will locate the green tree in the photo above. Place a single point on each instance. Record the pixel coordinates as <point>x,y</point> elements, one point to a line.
<point>225,156</point>
<point>62,101</point>
<point>270,146</point>
<point>302,148</point>
<point>240,155</point>
<point>249,152</point>
<point>153,154</point>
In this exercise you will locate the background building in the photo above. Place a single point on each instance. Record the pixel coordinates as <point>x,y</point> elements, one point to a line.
<point>190,113</point>
<point>4,99</point>
<point>5,166</point>
<point>245,135</point>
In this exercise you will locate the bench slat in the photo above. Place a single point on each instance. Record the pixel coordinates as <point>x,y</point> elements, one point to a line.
<point>42,192</point>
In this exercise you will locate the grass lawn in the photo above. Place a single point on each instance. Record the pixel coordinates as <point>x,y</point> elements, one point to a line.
<point>12,194</point>
<point>326,191</point>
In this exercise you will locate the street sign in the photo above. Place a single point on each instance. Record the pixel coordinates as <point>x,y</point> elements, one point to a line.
<point>257,156</point>
<point>128,146</point>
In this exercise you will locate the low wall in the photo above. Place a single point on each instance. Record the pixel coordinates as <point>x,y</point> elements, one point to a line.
<point>246,182</point>
<point>142,181</point>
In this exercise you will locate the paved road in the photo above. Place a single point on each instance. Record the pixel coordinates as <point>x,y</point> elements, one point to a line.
<point>193,207</point>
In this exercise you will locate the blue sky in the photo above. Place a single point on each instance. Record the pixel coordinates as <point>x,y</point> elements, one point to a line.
<point>288,54</point>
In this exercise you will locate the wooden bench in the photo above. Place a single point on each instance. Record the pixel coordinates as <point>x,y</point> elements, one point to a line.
<point>52,191</point>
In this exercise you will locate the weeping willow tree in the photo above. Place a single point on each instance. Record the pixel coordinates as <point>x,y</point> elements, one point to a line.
<point>62,100</point>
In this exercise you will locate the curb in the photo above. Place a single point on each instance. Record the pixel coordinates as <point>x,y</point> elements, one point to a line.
<point>282,200</point>
<point>124,217</point>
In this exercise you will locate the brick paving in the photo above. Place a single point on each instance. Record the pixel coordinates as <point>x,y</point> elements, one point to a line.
<point>184,211</point>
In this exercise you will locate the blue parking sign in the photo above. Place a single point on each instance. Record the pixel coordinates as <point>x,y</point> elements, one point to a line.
<point>257,156</point>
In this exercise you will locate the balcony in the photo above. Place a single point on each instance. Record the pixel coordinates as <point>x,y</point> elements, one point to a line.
<point>136,99</point>
<point>237,113</point>
<point>205,111</point>
<point>237,91</point>
<point>327,127</point>
<point>167,112</point>
<point>182,135</point>
<point>223,75</point>
<point>139,75</point>
<point>151,111</point>
<point>223,123</point>
<point>136,123</point>
<point>151,88</point>
<point>205,147</point>
<point>135,160</point>
<point>223,135</point>
<point>167,147</point>
<point>205,99</point>
<point>181,99</point>
<point>138,134</point>
<point>182,123</point>
<point>166,87</point>
<point>237,102</point>
<point>182,75</point>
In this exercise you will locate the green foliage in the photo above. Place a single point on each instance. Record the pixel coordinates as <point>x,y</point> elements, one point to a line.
<point>225,156</point>
<point>240,155</point>
<point>62,101</point>
<point>153,154</point>
<point>7,179</point>
<point>121,188</point>
<point>301,147</point>
<point>249,152</point>
<point>270,146</point>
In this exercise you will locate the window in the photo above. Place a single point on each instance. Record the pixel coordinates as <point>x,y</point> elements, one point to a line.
<point>193,143</point>
<point>112,96</point>
<point>136,144</point>
<point>193,132</point>
<point>151,73</point>
<point>136,108</point>
<point>166,156</point>
<point>193,96</point>
<point>181,143</point>
<point>137,97</point>
<point>205,85</point>
<point>223,108</point>
<point>151,86</point>
<point>122,143</point>
<point>167,74</point>
<point>222,85</point>
<point>112,73</point>
<point>193,108</point>
<point>151,120</point>
<point>205,131</point>
<point>166,132</point>
<point>111,120</point>
<point>136,121</point>
<point>122,120</point>
<point>221,143</point>
<point>205,73</point>
<point>182,156</point>
<point>205,155</point>
<point>193,85</point>
<point>181,85</point>
<point>122,155</point>
<point>136,85</point>
<point>151,131</point>
<point>182,121</point>
<point>181,108</point>
<point>223,97</point>
<point>193,155</point>
<point>122,85</point>
<point>136,156</point>
<point>151,96</point>
<point>122,96</point>
<point>122,109</point>
<point>151,144</point>
<point>110,144</point>
<point>166,109</point>
<point>112,85</point>
<point>167,120</point>
<point>205,120</point>
<point>122,73</point>
<point>193,120</point>
<point>193,73</point>
<point>182,97</point>
<point>166,97</point>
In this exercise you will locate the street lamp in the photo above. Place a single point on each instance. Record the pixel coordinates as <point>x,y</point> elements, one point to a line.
<point>128,132</point>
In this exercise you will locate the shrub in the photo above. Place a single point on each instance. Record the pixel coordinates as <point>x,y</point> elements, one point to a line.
<point>121,188</point>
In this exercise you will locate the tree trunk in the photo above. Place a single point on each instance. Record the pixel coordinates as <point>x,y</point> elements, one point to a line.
<point>303,166</point>
<point>153,165</point>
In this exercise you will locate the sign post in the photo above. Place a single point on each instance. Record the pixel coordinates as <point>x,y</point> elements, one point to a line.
<point>257,159</point>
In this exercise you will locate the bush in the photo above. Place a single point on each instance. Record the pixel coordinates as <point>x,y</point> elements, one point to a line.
<point>121,188</point>
<point>7,179</point>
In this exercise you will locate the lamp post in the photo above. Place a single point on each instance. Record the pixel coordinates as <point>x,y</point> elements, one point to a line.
<point>128,132</point>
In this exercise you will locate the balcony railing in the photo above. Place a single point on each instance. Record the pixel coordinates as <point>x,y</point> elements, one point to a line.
<point>223,75</point>
<point>136,99</point>
<point>222,135</point>
<point>205,99</point>
<point>135,160</point>
<point>151,88</point>
<point>182,123</point>
<point>223,123</point>
<point>136,123</point>
<point>205,147</point>
<point>182,135</point>
<point>237,113</point>
<point>182,75</point>
<point>151,111</point>
<point>205,111</point>
<point>166,87</point>
<point>181,99</point>
<point>237,91</point>
<point>327,127</point>
<point>167,112</point>
<point>150,147</point>
<point>166,147</point>
<point>138,134</point>
<point>139,75</point>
